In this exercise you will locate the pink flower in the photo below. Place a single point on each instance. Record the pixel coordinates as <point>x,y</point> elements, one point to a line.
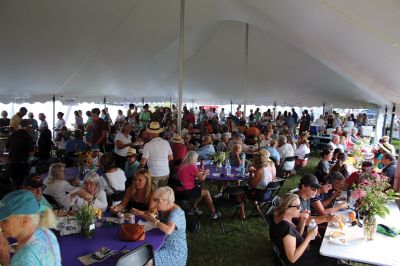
<point>357,194</point>
<point>365,182</point>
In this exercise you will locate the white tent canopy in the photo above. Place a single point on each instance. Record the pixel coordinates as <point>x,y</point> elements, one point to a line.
<point>301,53</point>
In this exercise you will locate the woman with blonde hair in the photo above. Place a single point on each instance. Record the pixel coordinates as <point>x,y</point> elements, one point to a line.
<point>56,185</point>
<point>137,196</point>
<point>24,219</point>
<point>237,157</point>
<point>172,222</point>
<point>187,174</point>
<point>294,248</point>
<point>262,173</point>
<point>303,148</point>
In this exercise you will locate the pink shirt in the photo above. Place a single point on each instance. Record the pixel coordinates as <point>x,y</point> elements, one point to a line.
<point>187,176</point>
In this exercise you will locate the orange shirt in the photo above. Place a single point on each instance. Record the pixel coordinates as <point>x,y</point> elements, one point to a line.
<point>252,131</point>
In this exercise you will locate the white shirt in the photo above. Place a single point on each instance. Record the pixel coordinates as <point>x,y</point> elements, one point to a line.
<point>222,115</point>
<point>156,152</point>
<point>125,140</point>
<point>286,150</point>
<point>117,180</point>
<point>60,123</point>
<point>58,190</point>
<point>266,178</point>
<point>320,122</point>
<point>120,118</point>
<point>349,124</point>
<point>301,151</point>
<point>77,202</point>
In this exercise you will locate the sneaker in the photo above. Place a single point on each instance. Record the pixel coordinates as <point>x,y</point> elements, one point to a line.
<point>215,215</point>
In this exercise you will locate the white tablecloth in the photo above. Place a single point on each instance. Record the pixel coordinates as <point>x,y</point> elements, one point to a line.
<point>383,250</point>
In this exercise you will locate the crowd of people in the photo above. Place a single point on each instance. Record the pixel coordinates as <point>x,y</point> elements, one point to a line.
<point>139,153</point>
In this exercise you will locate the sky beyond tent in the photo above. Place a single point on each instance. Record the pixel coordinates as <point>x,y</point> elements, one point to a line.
<point>301,53</point>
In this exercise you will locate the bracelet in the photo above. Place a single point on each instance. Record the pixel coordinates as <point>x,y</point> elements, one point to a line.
<point>155,222</point>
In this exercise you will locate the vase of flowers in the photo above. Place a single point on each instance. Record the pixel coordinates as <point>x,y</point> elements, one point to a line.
<point>218,159</point>
<point>86,216</point>
<point>371,195</point>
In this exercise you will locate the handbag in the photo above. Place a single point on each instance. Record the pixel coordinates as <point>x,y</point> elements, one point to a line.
<point>132,232</point>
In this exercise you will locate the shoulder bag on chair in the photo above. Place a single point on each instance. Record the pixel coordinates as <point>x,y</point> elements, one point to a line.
<point>117,195</point>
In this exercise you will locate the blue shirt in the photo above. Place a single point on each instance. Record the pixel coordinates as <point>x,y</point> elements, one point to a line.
<point>75,145</point>
<point>273,153</point>
<point>130,169</point>
<point>42,249</point>
<point>205,151</point>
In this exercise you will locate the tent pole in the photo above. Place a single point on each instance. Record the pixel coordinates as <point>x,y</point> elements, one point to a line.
<point>392,122</point>
<point>105,102</point>
<point>323,109</point>
<point>275,110</point>
<point>54,111</point>
<point>246,66</point>
<point>231,107</point>
<point>181,37</point>
<point>384,122</point>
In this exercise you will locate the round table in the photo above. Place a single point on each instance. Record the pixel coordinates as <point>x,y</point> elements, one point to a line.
<point>75,245</point>
<point>234,176</point>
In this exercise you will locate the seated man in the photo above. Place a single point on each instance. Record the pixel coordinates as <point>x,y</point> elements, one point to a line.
<point>355,178</point>
<point>389,170</point>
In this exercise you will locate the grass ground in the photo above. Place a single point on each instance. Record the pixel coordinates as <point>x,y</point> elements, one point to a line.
<point>249,247</point>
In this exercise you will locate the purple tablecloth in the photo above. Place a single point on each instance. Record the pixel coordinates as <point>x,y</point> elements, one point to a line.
<point>74,246</point>
<point>214,175</point>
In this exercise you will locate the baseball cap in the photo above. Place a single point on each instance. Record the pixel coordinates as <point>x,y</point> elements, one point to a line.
<point>33,180</point>
<point>18,202</point>
<point>310,180</point>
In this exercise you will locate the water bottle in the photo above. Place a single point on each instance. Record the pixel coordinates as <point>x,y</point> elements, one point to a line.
<point>228,167</point>
<point>312,226</point>
<point>242,169</point>
<point>349,191</point>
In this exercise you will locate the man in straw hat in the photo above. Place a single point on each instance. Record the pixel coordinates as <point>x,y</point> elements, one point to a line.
<point>179,149</point>
<point>131,166</point>
<point>157,153</point>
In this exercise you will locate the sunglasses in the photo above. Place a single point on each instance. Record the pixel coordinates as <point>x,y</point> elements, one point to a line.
<point>295,206</point>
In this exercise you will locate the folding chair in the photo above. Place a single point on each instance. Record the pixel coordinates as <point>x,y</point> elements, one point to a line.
<point>300,168</point>
<point>233,196</point>
<point>140,256</point>
<point>287,173</point>
<point>182,196</point>
<point>273,187</point>
<point>270,220</point>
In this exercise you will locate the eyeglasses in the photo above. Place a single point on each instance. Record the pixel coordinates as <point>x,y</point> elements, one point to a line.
<point>295,206</point>
<point>158,200</point>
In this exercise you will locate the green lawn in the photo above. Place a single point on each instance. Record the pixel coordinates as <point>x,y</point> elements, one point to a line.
<point>250,247</point>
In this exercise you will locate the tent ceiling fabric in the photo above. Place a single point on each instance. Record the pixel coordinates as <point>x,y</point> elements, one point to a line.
<point>302,53</point>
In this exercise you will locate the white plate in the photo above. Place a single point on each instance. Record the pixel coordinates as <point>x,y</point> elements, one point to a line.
<point>215,174</point>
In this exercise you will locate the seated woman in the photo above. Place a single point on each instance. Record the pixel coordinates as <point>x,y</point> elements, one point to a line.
<point>187,174</point>
<point>56,185</point>
<point>23,219</point>
<point>207,148</point>
<point>340,165</point>
<point>303,148</point>
<point>262,173</point>
<point>237,157</point>
<point>295,249</point>
<point>113,178</point>
<point>178,147</point>
<point>323,166</point>
<point>63,134</point>
<point>90,192</point>
<point>137,196</point>
<point>173,223</point>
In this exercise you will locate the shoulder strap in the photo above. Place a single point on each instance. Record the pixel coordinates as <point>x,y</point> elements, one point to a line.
<point>109,183</point>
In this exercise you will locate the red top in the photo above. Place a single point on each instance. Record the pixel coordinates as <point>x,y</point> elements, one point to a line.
<point>187,176</point>
<point>98,127</point>
<point>179,151</point>
<point>353,179</point>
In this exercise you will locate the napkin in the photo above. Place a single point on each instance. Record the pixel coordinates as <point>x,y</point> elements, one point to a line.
<point>147,225</point>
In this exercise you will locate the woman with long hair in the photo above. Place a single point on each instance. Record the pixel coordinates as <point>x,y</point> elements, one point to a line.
<point>303,148</point>
<point>137,196</point>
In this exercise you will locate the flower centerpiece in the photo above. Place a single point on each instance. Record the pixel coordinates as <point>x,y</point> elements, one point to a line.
<point>218,159</point>
<point>372,195</point>
<point>85,161</point>
<point>259,138</point>
<point>86,216</point>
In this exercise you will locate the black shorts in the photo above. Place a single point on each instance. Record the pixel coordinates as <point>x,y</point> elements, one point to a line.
<point>192,193</point>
